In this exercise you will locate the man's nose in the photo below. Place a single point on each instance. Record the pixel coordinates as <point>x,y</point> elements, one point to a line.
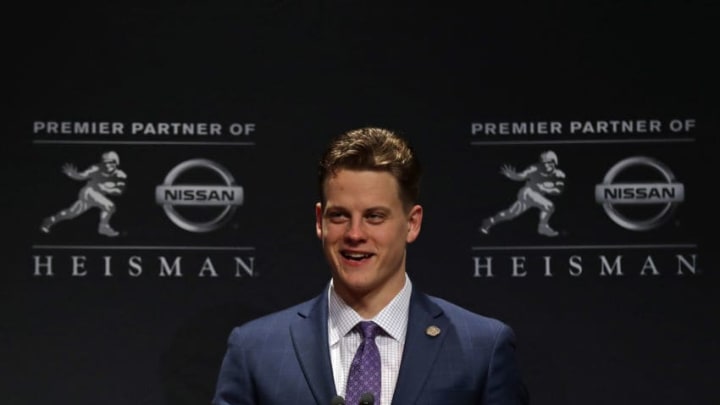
<point>355,230</point>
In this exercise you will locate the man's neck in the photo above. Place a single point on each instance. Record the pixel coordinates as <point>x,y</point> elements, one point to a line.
<point>369,303</point>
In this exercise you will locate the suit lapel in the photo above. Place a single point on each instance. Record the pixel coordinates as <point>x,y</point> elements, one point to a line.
<point>310,341</point>
<point>421,347</point>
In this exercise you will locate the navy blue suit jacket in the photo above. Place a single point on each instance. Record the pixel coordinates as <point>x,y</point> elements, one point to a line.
<point>283,358</point>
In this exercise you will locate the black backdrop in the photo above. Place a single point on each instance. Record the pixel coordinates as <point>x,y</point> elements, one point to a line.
<point>89,319</point>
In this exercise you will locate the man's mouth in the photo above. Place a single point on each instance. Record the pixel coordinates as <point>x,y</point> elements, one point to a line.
<point>355,255</point>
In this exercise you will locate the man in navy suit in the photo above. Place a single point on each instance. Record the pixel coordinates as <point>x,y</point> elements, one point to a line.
<point>431,351</point>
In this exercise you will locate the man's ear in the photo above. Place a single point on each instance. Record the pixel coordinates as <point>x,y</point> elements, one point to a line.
<point>415,217</point>
<point>318,220</point>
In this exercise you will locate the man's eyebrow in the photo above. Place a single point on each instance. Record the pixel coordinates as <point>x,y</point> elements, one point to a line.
<point>335,208</point>
<point>377,208</point>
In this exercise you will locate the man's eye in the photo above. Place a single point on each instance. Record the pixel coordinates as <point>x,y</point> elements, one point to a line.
<point>337,217</point>
<point>375,218</point>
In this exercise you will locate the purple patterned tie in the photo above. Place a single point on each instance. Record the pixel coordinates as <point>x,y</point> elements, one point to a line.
<point>364,375</point>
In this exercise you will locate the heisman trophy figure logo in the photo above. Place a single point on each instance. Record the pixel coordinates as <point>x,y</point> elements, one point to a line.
<point>103,180</point>
<point>541,179</point>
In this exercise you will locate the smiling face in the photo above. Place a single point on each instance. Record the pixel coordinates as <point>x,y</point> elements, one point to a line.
<point>364,228</point>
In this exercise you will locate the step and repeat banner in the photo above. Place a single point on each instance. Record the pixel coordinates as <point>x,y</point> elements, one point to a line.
<point>160,181</point>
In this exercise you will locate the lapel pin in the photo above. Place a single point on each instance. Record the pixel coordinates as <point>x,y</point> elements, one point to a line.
<point>432,331</point>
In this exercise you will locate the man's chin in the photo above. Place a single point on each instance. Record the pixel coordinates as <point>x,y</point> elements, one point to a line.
<point>354,285</point>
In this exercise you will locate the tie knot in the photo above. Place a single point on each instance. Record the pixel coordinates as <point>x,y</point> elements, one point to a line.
<point>369,329</point>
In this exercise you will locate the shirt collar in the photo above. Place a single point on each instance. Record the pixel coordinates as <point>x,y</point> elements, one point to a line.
<point>392,319</point>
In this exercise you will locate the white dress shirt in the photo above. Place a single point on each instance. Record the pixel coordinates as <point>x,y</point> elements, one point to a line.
<point>344,340</point>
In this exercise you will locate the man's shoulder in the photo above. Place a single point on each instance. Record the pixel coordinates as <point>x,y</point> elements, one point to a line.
<point>273,321</point>
<point>469,319</point>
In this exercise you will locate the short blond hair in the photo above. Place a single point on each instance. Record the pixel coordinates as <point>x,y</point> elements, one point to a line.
<point>375,149</point>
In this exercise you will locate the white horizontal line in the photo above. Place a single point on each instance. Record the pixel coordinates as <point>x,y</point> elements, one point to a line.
<point>144,247</point>
<point>588,247</point>
<point>586,141</point>
<point>67,142</point>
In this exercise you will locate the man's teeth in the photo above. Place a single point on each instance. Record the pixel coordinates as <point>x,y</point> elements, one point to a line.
<point>356,256</point>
